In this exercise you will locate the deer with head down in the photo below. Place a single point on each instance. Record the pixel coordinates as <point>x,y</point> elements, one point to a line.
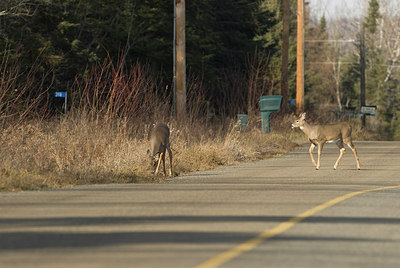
<point>159,144</point>
<point>318,135</point>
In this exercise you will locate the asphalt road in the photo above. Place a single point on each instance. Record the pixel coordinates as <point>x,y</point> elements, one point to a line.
<point>279,212</point>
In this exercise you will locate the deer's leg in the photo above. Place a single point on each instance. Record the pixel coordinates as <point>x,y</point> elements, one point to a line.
<point>158,164</point>
<point>163,161</point>
<point>342,151</point>
<point>170,160</point>
<point>311,154</point>
<point>353,148</point>
<point>320,146</point>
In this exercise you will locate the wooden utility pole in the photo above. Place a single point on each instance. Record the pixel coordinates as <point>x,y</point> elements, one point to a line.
<point>362,72</point>
<point>300,58</point>
<point>180,59</point>
<point>285,55</point>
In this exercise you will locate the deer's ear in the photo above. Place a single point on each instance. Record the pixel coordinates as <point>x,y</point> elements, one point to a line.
<point>303,116</point>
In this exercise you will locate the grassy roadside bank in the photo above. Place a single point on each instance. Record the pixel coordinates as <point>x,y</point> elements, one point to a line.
<point>77,150</point>
<point>104,136</point>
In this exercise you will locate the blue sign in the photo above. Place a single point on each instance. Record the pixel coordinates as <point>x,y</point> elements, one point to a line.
<point>60,94</point>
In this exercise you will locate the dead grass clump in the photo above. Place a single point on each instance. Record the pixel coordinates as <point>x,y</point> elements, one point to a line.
<point>70,151</point>
<point>76,150</point>
<point>226,145</point>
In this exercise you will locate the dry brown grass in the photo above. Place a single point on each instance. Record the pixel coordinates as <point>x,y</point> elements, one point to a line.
<point>76,150</point>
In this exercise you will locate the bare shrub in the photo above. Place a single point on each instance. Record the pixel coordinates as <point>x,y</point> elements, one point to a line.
<point>22,94</point>
<point>108,93</point>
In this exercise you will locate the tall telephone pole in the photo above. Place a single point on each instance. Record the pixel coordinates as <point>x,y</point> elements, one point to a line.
<point>300,58</point>
<point>180,60</point>
<point>362,72</point>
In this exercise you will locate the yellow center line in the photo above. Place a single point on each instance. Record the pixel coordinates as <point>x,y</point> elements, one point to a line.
<point>252,243</point>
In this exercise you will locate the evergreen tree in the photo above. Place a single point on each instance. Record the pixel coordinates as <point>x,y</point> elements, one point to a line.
<point>203,43</point>
<point>322,29</point>
<point>370,22</point>
<point>66,37</point>
<point>376,88</point>
<point>321,67</point>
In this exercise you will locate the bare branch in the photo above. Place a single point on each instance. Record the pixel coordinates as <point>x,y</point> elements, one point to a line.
<point>19,8</point>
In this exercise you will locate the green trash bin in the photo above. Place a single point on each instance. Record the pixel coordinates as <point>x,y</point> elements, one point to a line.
<point>268,105</point>
<point>242,121</point>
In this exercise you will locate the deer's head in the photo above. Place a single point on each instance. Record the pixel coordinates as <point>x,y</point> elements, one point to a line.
<point>300,121</point>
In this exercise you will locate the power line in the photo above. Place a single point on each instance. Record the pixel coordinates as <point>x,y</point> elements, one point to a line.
<point>340,40</point>
<point>330,40</point>
<point>351,63</point>
<point>332,62</point>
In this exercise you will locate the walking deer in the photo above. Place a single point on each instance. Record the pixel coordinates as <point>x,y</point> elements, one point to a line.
<point>159,143</point>
<point>318,135</point>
